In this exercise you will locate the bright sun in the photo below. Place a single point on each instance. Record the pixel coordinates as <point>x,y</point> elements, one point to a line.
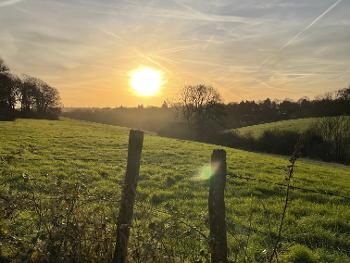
<point>146,81</point>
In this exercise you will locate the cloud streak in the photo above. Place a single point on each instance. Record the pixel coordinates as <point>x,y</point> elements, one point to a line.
<point>10,2</point>
<point>136,50</point>
<point>189,13</point>
<point>293,39</point>
<point>237,46</point>
<point>302,32</point>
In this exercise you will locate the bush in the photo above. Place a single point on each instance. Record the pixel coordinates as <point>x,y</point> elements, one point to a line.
<point>327,140</point>
<point>277,141</point>
<point>67,222</point>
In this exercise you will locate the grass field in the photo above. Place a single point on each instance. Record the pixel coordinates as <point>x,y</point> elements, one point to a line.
<point>296,125</point>
<point>66,152</point>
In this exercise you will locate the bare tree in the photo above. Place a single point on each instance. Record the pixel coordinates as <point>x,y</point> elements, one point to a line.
<point>46,97</point>
<point>335,131</point>
<point>198,104</point>
<point>27,94</point>
<point>344,94</point>
<point>3,66</point>
<point>39,97</point>
<point>9,84</point>
<point>35,97</point>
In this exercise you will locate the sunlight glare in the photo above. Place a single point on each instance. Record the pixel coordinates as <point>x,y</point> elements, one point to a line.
<point>146,81</point>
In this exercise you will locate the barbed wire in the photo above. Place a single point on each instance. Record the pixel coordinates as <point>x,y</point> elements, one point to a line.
<point>12,159</point>
<point>303,189</point>
<point>179,216</point>
<point>325,192</point>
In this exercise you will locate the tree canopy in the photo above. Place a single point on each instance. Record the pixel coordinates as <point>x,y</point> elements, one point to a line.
<point>26,96</point>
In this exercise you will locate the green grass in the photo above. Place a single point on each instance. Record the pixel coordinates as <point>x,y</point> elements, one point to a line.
<point>296,125</point>
<point>172,174</point>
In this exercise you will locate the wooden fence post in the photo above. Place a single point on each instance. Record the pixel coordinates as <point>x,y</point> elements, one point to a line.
<point>216,203</point>
<point>128,196</point>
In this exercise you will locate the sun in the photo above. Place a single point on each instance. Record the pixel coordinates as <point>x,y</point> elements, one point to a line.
<point>146,81</point>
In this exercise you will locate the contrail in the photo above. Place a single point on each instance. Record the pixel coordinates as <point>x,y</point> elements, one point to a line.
<point>193,14</point>
<point>294,38</point>
<point>168,51</point>
<point>138,52</point>
<point>9,2</point>
<point>109,33</point>
<point>268,85</point>
<point>310,25</point>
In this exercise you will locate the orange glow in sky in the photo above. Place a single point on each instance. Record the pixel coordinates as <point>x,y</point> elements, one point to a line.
<point>245,49</point>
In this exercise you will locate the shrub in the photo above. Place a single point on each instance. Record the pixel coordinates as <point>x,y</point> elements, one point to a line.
<point>327,140</point>
<point>278,141</point>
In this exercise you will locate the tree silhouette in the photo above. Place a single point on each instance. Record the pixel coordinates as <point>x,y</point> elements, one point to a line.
<point>8,92</point>
<point>39,98</point>
<point>3,66</point>
<point>200,107</point>
<point>344,94</point>
<point>35,97</point>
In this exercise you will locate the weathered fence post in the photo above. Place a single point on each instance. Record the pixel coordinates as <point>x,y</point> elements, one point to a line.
<point>128,196</point>
<point>216,202</point>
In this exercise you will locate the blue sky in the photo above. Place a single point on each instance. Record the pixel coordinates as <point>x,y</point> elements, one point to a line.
<point>249,49</point>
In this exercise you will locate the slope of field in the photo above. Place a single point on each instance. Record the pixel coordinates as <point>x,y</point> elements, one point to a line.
<point>296,125</point>
<point>173,174</point>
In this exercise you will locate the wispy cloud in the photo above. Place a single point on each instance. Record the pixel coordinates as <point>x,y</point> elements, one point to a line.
<point>135,49</point>
<point>302,32</point>
<point>219,42</point>
<point>294,38</point>
<point>9,2</point>
<point>195,14</point>
<point>188,13</point>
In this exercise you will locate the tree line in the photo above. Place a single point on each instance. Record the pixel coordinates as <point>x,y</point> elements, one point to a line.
<point>328,139</point>
<point>26,96</point>
<point>200,107</point>
<point>199,114</point>
<point>251,112</point>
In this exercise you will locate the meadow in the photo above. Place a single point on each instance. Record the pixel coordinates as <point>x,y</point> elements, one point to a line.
<point>295,125</point>
<point>61,181</point>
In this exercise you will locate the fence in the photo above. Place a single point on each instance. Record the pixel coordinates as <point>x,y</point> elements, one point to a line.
<point>216,202</point>
<point>217,238</point>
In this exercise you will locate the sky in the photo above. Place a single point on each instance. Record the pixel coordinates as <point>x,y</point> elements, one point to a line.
<point>246,49</point>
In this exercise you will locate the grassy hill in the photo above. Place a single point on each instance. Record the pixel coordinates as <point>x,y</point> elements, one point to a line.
<point>46,166</point>
<point>297,125</point>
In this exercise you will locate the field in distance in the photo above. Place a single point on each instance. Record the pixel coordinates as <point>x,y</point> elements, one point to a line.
<point>38,157</point>
<point>295,125</point>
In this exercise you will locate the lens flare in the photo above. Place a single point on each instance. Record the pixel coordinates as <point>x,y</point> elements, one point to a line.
<point>206,171</point>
